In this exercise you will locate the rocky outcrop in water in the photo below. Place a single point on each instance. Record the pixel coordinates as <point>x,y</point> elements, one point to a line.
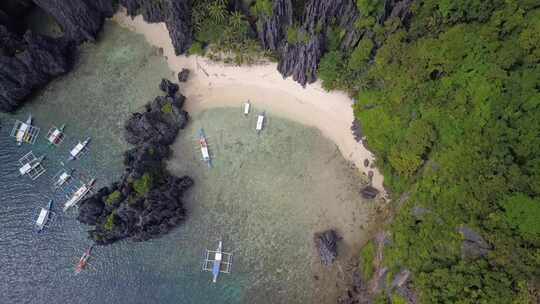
<point>80,19</point>
<point>326,244</point>
<point>147,201</point>
<point>37,61</point>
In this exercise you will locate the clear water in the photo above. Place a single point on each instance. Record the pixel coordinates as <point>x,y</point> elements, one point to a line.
<point>264,198</point>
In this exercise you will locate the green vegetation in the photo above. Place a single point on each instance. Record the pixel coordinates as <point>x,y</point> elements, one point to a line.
<point>113,198</point>
<point>227,34</point>
<point>110,222</point>
<point>367,256</point>
<point>167,108</point>
<point>144,184</point>
<point>397,299</point>
<point>296,35</point>
<point>262,8</point>
<point>451,107</point>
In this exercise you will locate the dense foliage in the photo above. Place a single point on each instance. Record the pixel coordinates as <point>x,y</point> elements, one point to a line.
<point>451,106</point>
<point>226,33</point>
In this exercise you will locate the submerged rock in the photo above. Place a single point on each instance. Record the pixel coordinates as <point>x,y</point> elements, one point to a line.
<point>147,201</point>
<point>326,244</point>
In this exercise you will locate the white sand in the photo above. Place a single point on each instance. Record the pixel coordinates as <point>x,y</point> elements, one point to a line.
<point>214,84</point>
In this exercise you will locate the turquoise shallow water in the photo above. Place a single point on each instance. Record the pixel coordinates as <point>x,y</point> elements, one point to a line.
<point>264,198</point>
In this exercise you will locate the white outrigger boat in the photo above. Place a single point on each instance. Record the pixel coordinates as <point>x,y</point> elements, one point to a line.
<point>44,217</point>
<point>204,148</point>
<point>31,165</point>
<point>78,149</point>
<point>55,136</point>
<point>217,261</point>
<point>78,195</point>
<point>246,108</point>
<point>24,132</point>
<point>260,122</point>
<point>62,177</point>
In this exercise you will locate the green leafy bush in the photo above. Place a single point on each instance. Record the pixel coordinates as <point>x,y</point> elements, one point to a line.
<point>110,222</point>
<point>367,256</point>
<point>144,184</point>
<point>113,198</point>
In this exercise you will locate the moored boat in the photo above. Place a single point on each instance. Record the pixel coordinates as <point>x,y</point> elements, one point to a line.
<point>43,217</point>
<point>83,261</point>
<point>260,122</point>
<point>204,148</point>
<point>216,267</point>
<point>22,133</point>
<point>56,135</point>
<point>31,165</point>
<point>247,107</point>
<point>78,149</point>
<point>63,177</point>
<point>79,194</point>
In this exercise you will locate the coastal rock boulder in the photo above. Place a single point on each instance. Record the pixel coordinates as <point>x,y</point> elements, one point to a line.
<point>158,124</point>
<point>326,244</point>
<point>168,87</point>
<point>369,192</point>
<point>183,75</point>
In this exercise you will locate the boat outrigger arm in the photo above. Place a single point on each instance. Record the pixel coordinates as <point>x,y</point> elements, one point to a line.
<point>217,261</point>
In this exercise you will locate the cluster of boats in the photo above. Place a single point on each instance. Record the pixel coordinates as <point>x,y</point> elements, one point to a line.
<point>32,166</point>
<point>203,139</point>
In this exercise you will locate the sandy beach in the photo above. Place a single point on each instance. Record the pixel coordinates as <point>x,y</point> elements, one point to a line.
<point>214,84</point>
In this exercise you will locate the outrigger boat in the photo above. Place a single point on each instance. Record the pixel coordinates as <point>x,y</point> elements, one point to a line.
<point>31,166</point>
<point>83,261</point>
<point>62,177</point>
<point>55,136</point>
<point>246,107</point>
<point>260,122</point>
<point>217,261</point>
<point>44,217</point>
<point>204,148</point>
<point>24,132</point>
<point>79,194</point>
<point>78,149</point>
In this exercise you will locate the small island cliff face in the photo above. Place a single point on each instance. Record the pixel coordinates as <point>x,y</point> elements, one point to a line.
<point>147,201</point>
<point>81,20</point>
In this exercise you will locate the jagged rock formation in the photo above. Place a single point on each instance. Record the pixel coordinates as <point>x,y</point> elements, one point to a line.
<point>42,59</point>
<point>273,29</point>
<point>80,19</point>
<point>147,201</point>
<point>175,13</point>
<point>326,244</point>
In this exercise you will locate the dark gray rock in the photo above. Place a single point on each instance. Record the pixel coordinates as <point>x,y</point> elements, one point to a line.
<point>301,60</point>
<point>183,75</point>
<point>168,87</point>
<point>326,244</point>
<point>179,25</point>
<point>369,192</point>
<point>80,19</point>
<point>273,29</point>
<point>43,59</point>
<point>159,124</point>
<point>155,208</point>
<point>474,245</point>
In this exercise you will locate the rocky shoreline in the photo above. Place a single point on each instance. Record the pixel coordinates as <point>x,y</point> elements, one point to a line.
<point>81,20</point>
<point>147,201</point>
